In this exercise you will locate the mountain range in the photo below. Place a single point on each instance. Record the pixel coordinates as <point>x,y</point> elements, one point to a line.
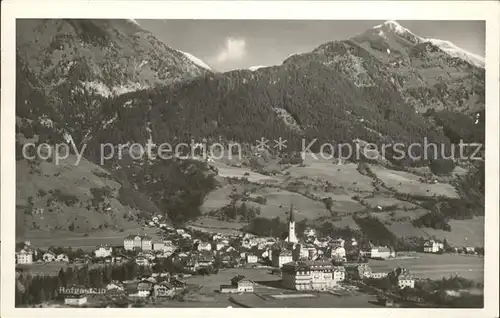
<point>88,82</point>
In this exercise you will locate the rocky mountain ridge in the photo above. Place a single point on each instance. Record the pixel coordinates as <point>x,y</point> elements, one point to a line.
<point>431,73</point>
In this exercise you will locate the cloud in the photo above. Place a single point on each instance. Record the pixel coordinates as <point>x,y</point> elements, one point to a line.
<point>234,49</point>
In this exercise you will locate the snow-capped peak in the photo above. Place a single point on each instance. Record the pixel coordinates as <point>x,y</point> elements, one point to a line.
<point>392,25</point>
<point>134,22</point>
<point>397,28</point>
<point>196,61</point>
<point>455,51</point>
<point>448,47</point>
<point>254,68</point>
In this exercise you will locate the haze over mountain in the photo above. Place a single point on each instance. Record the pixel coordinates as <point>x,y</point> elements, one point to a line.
<point>93,82</point>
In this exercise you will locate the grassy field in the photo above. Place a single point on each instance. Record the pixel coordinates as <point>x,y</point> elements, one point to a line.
<point>463,232</point>
<point>33,186</point>
<point>305,186</point>
<point>345,175</point>
<point>217,199</point>
<point>320,300</point>
<point>212,225</point>
<point>436,266</point>
<point>279,201</point>
<point>236,172</point>
<point>266,285</point>
<point>213,282</point>
<point>388,201</point>
<point>404,182</point>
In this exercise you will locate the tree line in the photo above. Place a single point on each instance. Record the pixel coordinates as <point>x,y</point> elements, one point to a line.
<point>32,290</point>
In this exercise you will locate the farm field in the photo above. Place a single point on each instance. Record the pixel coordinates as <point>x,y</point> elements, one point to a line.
<point>345,175</point>
<point>436,266</point>
<point>346,221</point>
<point>463,232</point>
<point>404,182</point>
<point>235,172</point>
<point>216,199</point>
<point>388,201</point>
<point>212,225</point>
<point>279,201</point>
<point>320,178</point>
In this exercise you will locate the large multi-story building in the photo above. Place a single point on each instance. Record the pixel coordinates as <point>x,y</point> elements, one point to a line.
<point>311,275</point>
<point>380,252</point>
<point>24,256</point>
<point>139,242</point>
<point>103,251</point>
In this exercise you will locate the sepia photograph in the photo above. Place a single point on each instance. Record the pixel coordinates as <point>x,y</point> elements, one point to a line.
<point>250,163</point>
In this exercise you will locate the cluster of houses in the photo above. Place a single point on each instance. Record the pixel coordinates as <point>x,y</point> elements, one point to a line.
<point>156,221</point>
<point>27,254</point>
<point>311,263</point>
<point>402,275</point>
<point>435,246</point>
<point>156,286</point>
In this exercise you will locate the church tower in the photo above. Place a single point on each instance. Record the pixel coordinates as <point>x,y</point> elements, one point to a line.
<point>292,237</point>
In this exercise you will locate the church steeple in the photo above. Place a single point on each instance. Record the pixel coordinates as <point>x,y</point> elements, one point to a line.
<point>292,237</point>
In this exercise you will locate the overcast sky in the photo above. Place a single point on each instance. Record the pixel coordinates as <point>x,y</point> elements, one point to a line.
<point>235,44</point>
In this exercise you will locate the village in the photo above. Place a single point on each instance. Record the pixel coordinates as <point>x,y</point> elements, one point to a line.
<point>313,264</point>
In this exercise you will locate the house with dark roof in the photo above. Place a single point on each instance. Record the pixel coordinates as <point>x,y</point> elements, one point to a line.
<point>49,256</point>
<point>404,277</point>
<point>205,258</point>
<point>163,289</point>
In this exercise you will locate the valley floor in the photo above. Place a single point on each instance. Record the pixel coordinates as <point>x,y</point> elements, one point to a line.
<point>435,266</point>
<point>44,240</point>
